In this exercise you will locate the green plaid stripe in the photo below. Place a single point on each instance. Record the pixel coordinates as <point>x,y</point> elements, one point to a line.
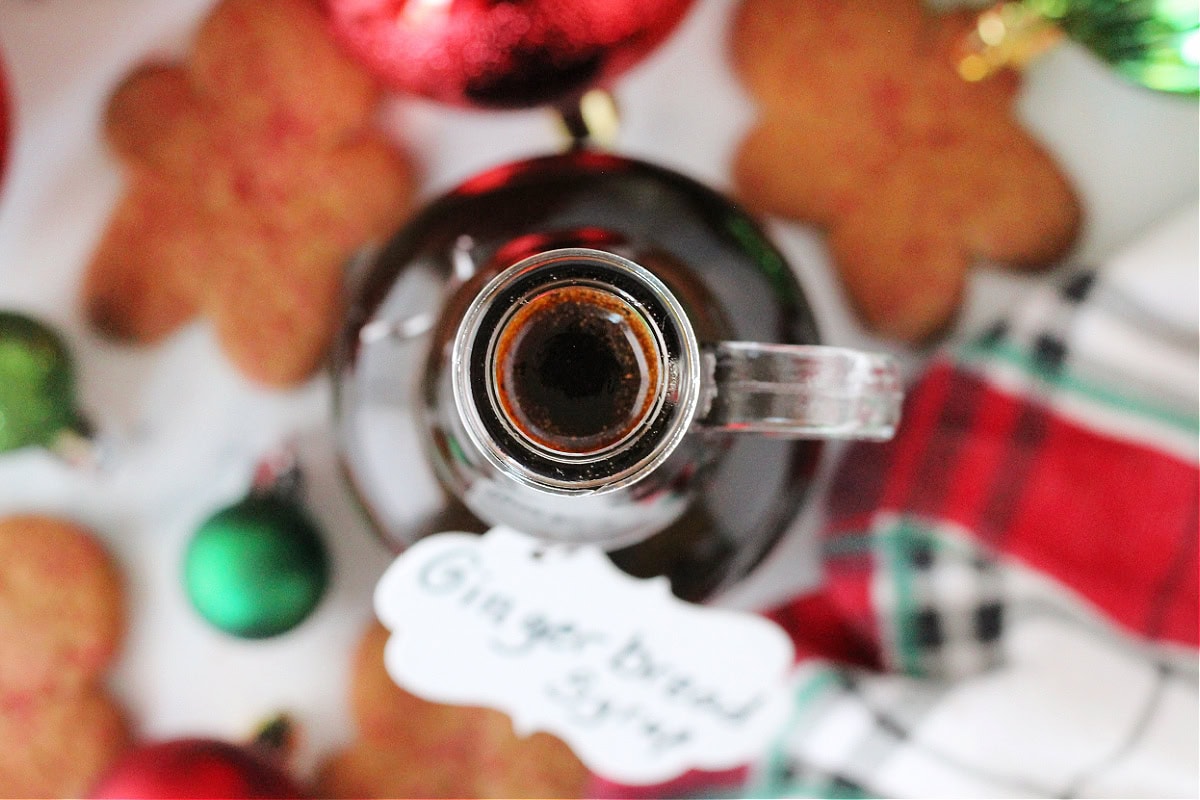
<point>983,352</point>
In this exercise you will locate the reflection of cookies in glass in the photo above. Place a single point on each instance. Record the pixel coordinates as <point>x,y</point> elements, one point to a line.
<point>867,130</point>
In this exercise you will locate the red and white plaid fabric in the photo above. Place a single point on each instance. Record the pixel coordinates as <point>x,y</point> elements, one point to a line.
<point>1009,605</point>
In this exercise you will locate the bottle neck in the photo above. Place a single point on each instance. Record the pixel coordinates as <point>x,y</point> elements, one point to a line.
<point>576,371</point>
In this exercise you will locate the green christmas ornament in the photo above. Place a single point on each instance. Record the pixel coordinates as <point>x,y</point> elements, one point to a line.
<point>1152,42</point>
<point>1155,43</point>
<point>259,567</point>
<point>37,386</point>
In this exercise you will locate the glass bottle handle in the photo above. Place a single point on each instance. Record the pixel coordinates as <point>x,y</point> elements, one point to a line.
<point>799,391</point>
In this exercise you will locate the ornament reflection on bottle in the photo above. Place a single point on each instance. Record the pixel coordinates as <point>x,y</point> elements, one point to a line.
<point>259,567</point>
<point>1155,43</point>
<point>37,391</point>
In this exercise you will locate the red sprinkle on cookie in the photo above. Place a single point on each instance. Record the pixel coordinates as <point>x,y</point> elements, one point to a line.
<point>867,130</point>
<point>254,171</point>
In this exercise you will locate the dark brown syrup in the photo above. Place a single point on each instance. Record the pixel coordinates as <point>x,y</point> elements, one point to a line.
<point>576,369</point>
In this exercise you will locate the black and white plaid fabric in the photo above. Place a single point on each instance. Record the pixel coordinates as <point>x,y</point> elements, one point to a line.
<point>1031,647</point>
<point>1072,708</point>
<point>941,603</point>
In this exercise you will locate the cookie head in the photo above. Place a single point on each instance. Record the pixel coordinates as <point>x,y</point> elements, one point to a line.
<point>61,605</point>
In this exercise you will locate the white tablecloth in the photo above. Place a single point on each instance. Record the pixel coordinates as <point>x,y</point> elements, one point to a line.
<point>191,429</point>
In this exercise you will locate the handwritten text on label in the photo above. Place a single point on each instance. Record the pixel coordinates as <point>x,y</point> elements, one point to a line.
<point>642,685</point>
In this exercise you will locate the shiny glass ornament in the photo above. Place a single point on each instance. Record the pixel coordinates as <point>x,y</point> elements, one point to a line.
<point>198,767</point>
<point>1155,43</point>
<point>259,567</point>
<point>37,385</point>
<point>515,54</point>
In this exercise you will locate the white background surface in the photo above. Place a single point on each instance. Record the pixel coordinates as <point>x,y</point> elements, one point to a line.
<point>192,429</point>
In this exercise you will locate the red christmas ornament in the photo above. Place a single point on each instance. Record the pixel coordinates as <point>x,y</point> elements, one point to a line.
<point>502,53</point>
<point>4,114</point>
<point>195,768</point>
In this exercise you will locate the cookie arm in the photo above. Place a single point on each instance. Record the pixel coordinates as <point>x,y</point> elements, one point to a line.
<point>140,283</point>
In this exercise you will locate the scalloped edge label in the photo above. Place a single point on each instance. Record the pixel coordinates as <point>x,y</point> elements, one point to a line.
<point>642,686</point>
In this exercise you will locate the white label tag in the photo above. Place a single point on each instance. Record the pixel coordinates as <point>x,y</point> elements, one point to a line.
<point>640,684</point>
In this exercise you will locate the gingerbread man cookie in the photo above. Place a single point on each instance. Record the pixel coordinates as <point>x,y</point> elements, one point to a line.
<point>61,620</point>
<point>409,747</point>
<point>254,171</point>
<point>867,130</point>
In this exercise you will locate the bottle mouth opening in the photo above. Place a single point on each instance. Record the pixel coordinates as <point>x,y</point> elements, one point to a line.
<point>576,370</point>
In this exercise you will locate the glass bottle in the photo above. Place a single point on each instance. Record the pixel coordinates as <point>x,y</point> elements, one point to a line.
<point>576,345</point>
